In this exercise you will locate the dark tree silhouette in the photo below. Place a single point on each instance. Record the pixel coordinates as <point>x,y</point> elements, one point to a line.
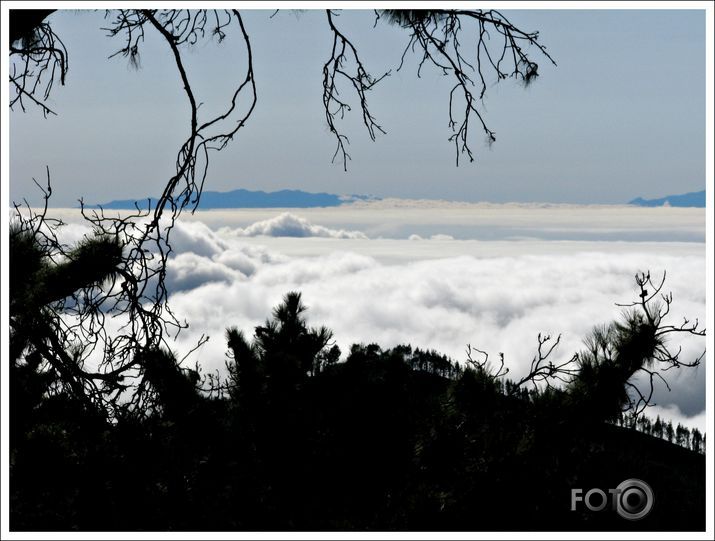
<point>697,441</point>
<point>45,284</point>
<point>294,439</point>
<point>682,436</point>
<point>602,380</point>
<point>669,432</point>
<point>37,56</point>
<point>39,60</point>
<point>284,352</point>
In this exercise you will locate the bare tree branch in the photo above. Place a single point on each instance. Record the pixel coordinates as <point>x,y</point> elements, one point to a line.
<point>344,53</point>
<point>436,34</point>
<point>38,58</point>
<point>135,300</point>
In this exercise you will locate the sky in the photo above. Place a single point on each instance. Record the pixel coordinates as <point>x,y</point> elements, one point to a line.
<point>621,116</point>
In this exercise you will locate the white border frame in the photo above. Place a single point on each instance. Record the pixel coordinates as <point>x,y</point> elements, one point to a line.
<point>709,9</point>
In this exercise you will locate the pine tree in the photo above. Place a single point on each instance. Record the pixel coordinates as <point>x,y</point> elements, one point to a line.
<point>679,435</point>
<point>40,279</point>
<point>696,442</point>
<point>669,432</point>
<point>686,437</point>
<point>614,353</point>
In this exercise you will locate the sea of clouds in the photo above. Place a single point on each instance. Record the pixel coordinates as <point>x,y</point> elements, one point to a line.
<point>440,278</point>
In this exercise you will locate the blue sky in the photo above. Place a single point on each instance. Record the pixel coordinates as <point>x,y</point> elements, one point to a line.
<point>623,114</point>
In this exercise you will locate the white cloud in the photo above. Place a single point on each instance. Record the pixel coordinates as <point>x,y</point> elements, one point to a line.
<point>398,219</point>
<point>437,236</point>
<point>197,238</point>
<point>188,271</point>
<point>673,414</point>
<point>290,225</point>
<point>440,293</point>
<point>498,304</point>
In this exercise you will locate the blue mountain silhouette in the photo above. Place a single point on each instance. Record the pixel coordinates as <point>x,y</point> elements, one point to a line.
<point>692,199</point>
<point>247,199</point>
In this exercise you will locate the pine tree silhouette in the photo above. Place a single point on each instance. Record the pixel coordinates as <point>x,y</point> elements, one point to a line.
<point>613,354</point>
<point>39,281</point>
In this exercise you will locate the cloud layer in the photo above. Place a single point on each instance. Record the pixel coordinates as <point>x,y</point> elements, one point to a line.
<point>497,295</point>
<point>498,304</point>
<point>290,225</point>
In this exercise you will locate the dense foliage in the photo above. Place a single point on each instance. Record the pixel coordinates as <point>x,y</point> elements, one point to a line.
<point>295,438</point>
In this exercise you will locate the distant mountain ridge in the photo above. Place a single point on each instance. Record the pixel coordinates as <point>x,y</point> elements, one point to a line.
<point>692,199</point>
<point>241,198</point>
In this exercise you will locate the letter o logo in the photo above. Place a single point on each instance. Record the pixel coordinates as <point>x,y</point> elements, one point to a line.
<point>635,499</point>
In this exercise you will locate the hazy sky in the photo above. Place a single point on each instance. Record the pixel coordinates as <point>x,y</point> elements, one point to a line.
<point>623,114</point>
